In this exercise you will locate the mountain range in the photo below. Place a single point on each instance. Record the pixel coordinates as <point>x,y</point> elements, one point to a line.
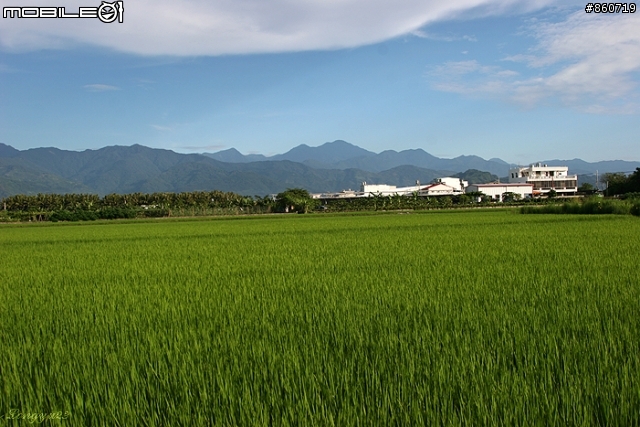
<point>342,155</point>
<point>333,166</point>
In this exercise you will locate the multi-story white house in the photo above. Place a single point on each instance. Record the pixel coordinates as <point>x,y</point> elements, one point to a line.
<point>545,178</point>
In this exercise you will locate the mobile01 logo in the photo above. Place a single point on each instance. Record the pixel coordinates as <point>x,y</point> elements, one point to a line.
<point>106,12</point>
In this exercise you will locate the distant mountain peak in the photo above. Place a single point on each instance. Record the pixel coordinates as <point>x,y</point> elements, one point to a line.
<point>327,153</point>
<point>338,143</point>
<point>231,155</point>
<point>229,151</point>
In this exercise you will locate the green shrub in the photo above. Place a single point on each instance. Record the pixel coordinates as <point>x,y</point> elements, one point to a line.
<point>156,213</point>
<point>116,213</point>
<point>590,206</point>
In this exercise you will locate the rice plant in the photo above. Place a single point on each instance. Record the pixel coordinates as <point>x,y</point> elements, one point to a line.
<point>446,318</point>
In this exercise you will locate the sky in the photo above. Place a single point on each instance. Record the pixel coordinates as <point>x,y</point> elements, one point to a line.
<point>523,81</point>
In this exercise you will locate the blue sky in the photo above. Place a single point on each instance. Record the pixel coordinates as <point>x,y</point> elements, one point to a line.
<point>522,81</point>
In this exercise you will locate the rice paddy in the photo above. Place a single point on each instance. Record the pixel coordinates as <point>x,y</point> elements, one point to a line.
<point>437,318</point>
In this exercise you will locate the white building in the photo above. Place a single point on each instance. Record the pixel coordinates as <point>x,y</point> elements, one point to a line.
<point>438,189</point>
<point>545,178</point>
<point>383,189</point>
<point>458,184</point>
<point>496,191</point>
<point>441,187</point>
<point>344,194</point>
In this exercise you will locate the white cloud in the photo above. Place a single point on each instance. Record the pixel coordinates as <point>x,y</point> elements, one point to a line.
<point>424,35</point>
<point>437,37</point>
<point>100,88</point>
<point>459,68</point>
<point>588,61</point>
<point>598,54</point>
<point>162,128</point>
<point>202,27</point>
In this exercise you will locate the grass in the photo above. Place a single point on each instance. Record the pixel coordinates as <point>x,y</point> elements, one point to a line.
<point>588,206</point>
<point>468,318</point>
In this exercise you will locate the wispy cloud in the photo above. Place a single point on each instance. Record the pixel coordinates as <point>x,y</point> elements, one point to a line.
<point>425,35</point>
<point>100,88</point>
<point>203,27</point>
<point>4,68</point>
<point>588,62</point>
<point>439,37</point>
<point>162,128</point>
<point>203,147</point>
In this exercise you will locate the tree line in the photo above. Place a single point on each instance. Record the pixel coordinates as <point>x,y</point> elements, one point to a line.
<point>79,207</point>
<point>86,207</point>
<point>619,184</point>
<point>44,207</point>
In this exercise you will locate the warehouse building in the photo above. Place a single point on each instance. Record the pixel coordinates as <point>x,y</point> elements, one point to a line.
<point>498,191</point>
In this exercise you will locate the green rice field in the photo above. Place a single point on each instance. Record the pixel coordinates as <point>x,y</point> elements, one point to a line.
<point>436,318</point>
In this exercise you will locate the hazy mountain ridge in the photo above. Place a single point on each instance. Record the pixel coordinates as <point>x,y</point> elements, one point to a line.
<point>127,169</point>
<point>327,153</point>
<point>579,166</point>
<point>234,156</point>
<point>328,168</point>
<point>342,155</point>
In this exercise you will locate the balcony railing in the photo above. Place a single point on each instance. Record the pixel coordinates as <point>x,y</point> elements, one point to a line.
<point>552,178</point>
<point>556,188</point>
